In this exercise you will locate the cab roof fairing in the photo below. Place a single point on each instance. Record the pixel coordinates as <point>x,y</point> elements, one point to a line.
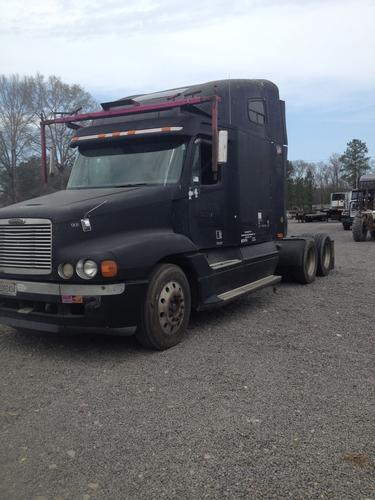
<point>137,109</point>
<point>233,94</point>
<point>188,126</point>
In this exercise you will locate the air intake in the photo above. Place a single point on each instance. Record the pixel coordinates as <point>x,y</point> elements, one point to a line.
<point>25,246</point>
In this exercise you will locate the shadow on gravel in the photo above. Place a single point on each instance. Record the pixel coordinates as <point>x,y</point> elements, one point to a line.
<point>82,344</point>
<point>232,310</point>
<point>96,345</point>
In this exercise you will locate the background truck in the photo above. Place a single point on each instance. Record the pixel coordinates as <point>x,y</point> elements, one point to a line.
<point>350,210</point>
<point>176,201</point>
<point>339,201</point>
<point>364,209</point>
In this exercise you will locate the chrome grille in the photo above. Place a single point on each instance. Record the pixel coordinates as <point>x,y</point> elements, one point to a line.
<point>26,246</point>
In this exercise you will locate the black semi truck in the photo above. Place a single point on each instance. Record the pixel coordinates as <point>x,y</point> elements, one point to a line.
<point>176,201</point>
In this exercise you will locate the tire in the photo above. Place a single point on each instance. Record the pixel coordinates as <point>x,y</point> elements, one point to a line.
<point>325,258</point>
<point>306,273</point>
<point>372,234</point>
<point>166,310</point>
<point>359,229</point>
<point>325,253</point>
<point>346,227</point>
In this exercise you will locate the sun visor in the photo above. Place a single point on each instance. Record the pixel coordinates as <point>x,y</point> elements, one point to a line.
<point>121,131</point>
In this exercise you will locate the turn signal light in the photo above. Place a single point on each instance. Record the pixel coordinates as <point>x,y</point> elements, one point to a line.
<point>109,268</point>
<point>279,236</point>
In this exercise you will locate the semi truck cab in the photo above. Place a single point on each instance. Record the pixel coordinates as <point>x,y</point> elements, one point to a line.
<point>176,200</point>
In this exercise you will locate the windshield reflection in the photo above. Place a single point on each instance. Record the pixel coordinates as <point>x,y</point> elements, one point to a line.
<point>128,164</point>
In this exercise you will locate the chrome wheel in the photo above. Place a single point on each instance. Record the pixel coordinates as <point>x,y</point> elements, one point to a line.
<point>327,256</point>
<point>311,261</point>
<point>171,307</point>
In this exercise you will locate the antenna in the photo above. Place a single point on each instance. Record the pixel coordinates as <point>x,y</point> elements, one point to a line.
<point>230,101</point>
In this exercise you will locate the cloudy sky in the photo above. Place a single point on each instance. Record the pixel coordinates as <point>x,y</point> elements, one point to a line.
<point>321,54</point>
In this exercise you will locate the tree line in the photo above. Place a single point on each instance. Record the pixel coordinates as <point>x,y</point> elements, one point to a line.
<point>311,183</point>
<point>25,100</point>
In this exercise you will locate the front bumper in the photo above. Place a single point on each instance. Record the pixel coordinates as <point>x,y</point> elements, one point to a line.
<point>55,307</point>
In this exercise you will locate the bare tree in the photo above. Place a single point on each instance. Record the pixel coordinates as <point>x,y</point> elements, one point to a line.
<point>17,131</point>
<point>323,177</point>
<point>22,102</point>
<point>55,97</point>
<point>335,167</point>
<point>303,183</point>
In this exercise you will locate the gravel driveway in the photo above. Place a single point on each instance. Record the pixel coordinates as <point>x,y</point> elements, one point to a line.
<point>270,397</point>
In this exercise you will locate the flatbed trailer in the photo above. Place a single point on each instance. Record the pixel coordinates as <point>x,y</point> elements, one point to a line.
<point>312,217</point>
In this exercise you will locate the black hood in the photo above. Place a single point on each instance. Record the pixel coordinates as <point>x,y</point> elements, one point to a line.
<point>73,204</point>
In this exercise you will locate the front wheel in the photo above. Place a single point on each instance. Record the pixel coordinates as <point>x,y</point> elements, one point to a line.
<point>166,310</point>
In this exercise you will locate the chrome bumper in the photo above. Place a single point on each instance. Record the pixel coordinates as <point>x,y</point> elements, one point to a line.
<point>61,289</point>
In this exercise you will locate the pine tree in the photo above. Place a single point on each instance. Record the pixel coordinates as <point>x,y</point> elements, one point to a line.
<point>355,162</point>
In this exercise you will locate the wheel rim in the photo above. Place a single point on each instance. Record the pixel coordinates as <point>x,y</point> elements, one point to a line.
<point>171,307</point>
<point>311,262</point>
<point>327,255</point>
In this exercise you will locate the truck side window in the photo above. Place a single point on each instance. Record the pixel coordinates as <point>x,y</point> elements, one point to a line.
<point>256,111</point>
<point>202,163</point>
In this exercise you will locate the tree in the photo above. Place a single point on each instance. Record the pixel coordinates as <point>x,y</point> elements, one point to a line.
<point>54,97</point>
<point>301,184</point>
<point>323,177</point>
<point>335,167</point>
<point>309,185</point>
<point>22,101</point>
<point>17,130</point>
<point>29,185</point>
<point>355,162</point>
<point>290,196</point>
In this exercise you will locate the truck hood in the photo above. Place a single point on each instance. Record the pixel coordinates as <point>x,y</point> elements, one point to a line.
<point>73,204</point>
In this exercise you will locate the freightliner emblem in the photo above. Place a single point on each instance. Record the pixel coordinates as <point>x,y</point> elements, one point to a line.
<point>18,222</point>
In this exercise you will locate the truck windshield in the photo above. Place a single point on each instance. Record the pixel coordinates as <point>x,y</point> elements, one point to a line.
<point>127,164</point>
<point>338,196</point>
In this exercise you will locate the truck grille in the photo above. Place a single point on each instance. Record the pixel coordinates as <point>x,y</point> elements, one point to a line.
<point>25,246</point>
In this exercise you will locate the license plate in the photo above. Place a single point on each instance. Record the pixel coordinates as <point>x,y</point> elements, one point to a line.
<point>8,288</point>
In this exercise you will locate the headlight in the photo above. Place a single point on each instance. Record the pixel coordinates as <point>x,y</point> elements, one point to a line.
<point>86,269</point>
<point>65,271</point>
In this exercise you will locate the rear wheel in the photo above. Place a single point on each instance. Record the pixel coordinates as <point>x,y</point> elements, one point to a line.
<point>372,233</point>
<point>166,311</point>
<point>359,229</point>
<point>325,253</point>
<point>325,256</point>
<point>306,272</point>
<point>346,227</point>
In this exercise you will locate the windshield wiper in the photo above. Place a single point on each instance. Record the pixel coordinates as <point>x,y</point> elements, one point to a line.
<point>132,185</point>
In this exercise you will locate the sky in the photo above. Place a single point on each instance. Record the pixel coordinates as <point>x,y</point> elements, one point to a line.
<point>320,53</point>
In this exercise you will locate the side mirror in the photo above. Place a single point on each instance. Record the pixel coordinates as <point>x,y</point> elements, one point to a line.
<point>222,153</point>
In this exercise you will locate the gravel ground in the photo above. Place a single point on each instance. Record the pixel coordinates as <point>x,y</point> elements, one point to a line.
<point>270,397</point>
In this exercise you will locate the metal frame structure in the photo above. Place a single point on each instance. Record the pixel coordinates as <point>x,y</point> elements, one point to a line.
<point>136,109</point>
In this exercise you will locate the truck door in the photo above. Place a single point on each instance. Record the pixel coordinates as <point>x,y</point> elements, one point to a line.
<point>206,199</point>
<point>255,189</point>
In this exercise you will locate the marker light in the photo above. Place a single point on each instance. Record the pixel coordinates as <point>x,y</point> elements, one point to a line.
<point>65,271</point>
<point>109,268</point>
<point>86,269</point>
